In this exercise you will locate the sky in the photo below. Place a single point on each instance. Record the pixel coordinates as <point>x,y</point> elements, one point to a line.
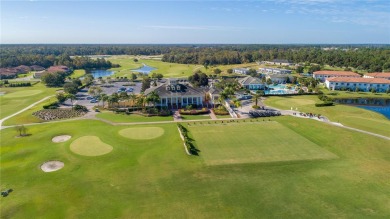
<point>196,22</point>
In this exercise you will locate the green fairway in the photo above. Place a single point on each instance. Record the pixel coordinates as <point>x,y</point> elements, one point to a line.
<point>347,115</point>
<point>155,178</point>
<point>195,117</point>
<point>113,117</point>
<point>253,142</point>
<point>90,146</point>
<point>23,93</point>
<point>77,73</point>
<point>17,98</point>
<point>142,133</point>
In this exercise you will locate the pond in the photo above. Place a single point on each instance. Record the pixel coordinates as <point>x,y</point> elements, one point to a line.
<point>101,73</point>
<point>145,69</point>
<point>384,110</point>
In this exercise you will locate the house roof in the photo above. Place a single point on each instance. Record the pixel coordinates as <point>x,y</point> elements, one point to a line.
<point>379,74</point>
<point>249,80</point>
<point>58,68</point>
<point>278,76</point>
<point>214,90</point>
<point>185,90</point>
<point>359,80</point>
<point>337,73</point>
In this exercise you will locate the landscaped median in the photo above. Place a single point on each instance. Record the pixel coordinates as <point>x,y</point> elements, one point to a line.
<point>188,145</point>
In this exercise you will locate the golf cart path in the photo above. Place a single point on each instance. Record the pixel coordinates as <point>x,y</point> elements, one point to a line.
<point>90,117</point>
<point>28,107</point>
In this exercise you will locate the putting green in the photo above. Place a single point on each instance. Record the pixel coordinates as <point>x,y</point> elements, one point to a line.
<point>142,133</point>
<point>23,93</point>
<point>90,146</point>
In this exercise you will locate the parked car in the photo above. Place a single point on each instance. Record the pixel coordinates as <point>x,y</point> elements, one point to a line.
<point>89,98</point>
<point>129,89</point>
<point>93,101</point>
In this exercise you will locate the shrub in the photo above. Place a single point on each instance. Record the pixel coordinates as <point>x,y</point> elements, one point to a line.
<point>255,107</point>
<point>324,104</point>
<point>193,111</point>
<point>52,105</point>
<point>80,107</point>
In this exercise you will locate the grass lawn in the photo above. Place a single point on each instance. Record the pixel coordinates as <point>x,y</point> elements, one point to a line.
<point>347,115</point>
<point>17,98</point>
<point>154,178</point>
<point>195,117</point>
<point>223,116</point>
<point>233,143</point>
<point>350,94</point>
<point>113,117</point>
<point>166,68</point>
<point>142,133</point>
<point>77,73</point>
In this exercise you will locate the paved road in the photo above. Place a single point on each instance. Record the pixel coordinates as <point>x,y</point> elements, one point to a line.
<point>40,101</point>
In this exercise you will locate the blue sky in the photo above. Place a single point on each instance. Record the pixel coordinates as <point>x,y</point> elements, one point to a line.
<point>262,22</point>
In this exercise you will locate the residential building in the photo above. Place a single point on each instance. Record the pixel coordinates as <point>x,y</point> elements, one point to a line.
<point>275,71</point>
<point>214,94</point>
<point>277,78</point>
<point>251,83</point>
<point>58,68</point>
<point>323,75</point>
<point>174,94</point>
<point>38,74</point>
<point>283,62</point>
<point>385,75</point>
<point>242,71</point>
<point>364,84</point>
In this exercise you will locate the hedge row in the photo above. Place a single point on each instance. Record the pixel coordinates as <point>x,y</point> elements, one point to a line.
<point>324,104</point>
<point>194,112</point>
<point>52,114</point>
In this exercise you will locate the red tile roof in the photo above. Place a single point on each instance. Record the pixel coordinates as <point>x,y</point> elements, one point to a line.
<point>58,68</point>
<point>337,73</point>
<point>359,80</point>
<point>379,74</point>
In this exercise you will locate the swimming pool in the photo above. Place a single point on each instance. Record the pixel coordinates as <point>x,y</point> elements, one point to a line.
<point>279,89</point>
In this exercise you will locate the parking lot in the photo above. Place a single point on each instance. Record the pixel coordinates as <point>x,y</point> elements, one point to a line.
<point>82,95</point>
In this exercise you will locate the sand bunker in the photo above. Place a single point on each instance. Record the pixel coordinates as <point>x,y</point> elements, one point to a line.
<point>51,166</point>
<point>61,138</point>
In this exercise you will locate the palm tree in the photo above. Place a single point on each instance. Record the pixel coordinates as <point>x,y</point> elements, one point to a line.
<point>237,103</point>
<point>103,97</point>
<point>71,97</point>
<point>153,97</point>
<point>114,98</point>
<point>257,95</point>
<point>141,100</point>
<point>123,96</point>
<point>133,99</point>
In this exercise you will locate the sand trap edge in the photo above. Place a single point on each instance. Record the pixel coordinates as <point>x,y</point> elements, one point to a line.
<point>61,138</point>
<point>51,166</point>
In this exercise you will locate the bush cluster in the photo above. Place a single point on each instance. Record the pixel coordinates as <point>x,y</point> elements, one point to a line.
<point>187,140</point>
<point>52,105</point>
<point>194,111</point>
<point>52,114</point>
<point>22,84</point>
<point>221,110</point>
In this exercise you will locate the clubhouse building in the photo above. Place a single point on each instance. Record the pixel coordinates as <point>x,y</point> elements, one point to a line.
<point>174,94</point>
<point>323,75</point>
<point>363,84</point>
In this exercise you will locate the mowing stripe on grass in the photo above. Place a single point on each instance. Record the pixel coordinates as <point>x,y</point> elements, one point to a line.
<point>254,143</point>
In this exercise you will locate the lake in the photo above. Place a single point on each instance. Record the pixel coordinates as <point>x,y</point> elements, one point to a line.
<point>144,69</point>
<point>384,110</point>
<point>101,73</point>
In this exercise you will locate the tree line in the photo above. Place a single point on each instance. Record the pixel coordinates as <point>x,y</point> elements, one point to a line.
<point>362,57</point>
<point>370,59</point>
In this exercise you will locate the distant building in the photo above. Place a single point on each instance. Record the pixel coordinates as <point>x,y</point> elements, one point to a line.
<point>364,84</point>
<point>37,68</point>
<point>274,71</point>
<point>242,71</point>
<point>385,75</point>
<point>38,74</point>
<point>251,83</point>
<point>323,75</point>
<point>58,68</point>
<point>283,62</point>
